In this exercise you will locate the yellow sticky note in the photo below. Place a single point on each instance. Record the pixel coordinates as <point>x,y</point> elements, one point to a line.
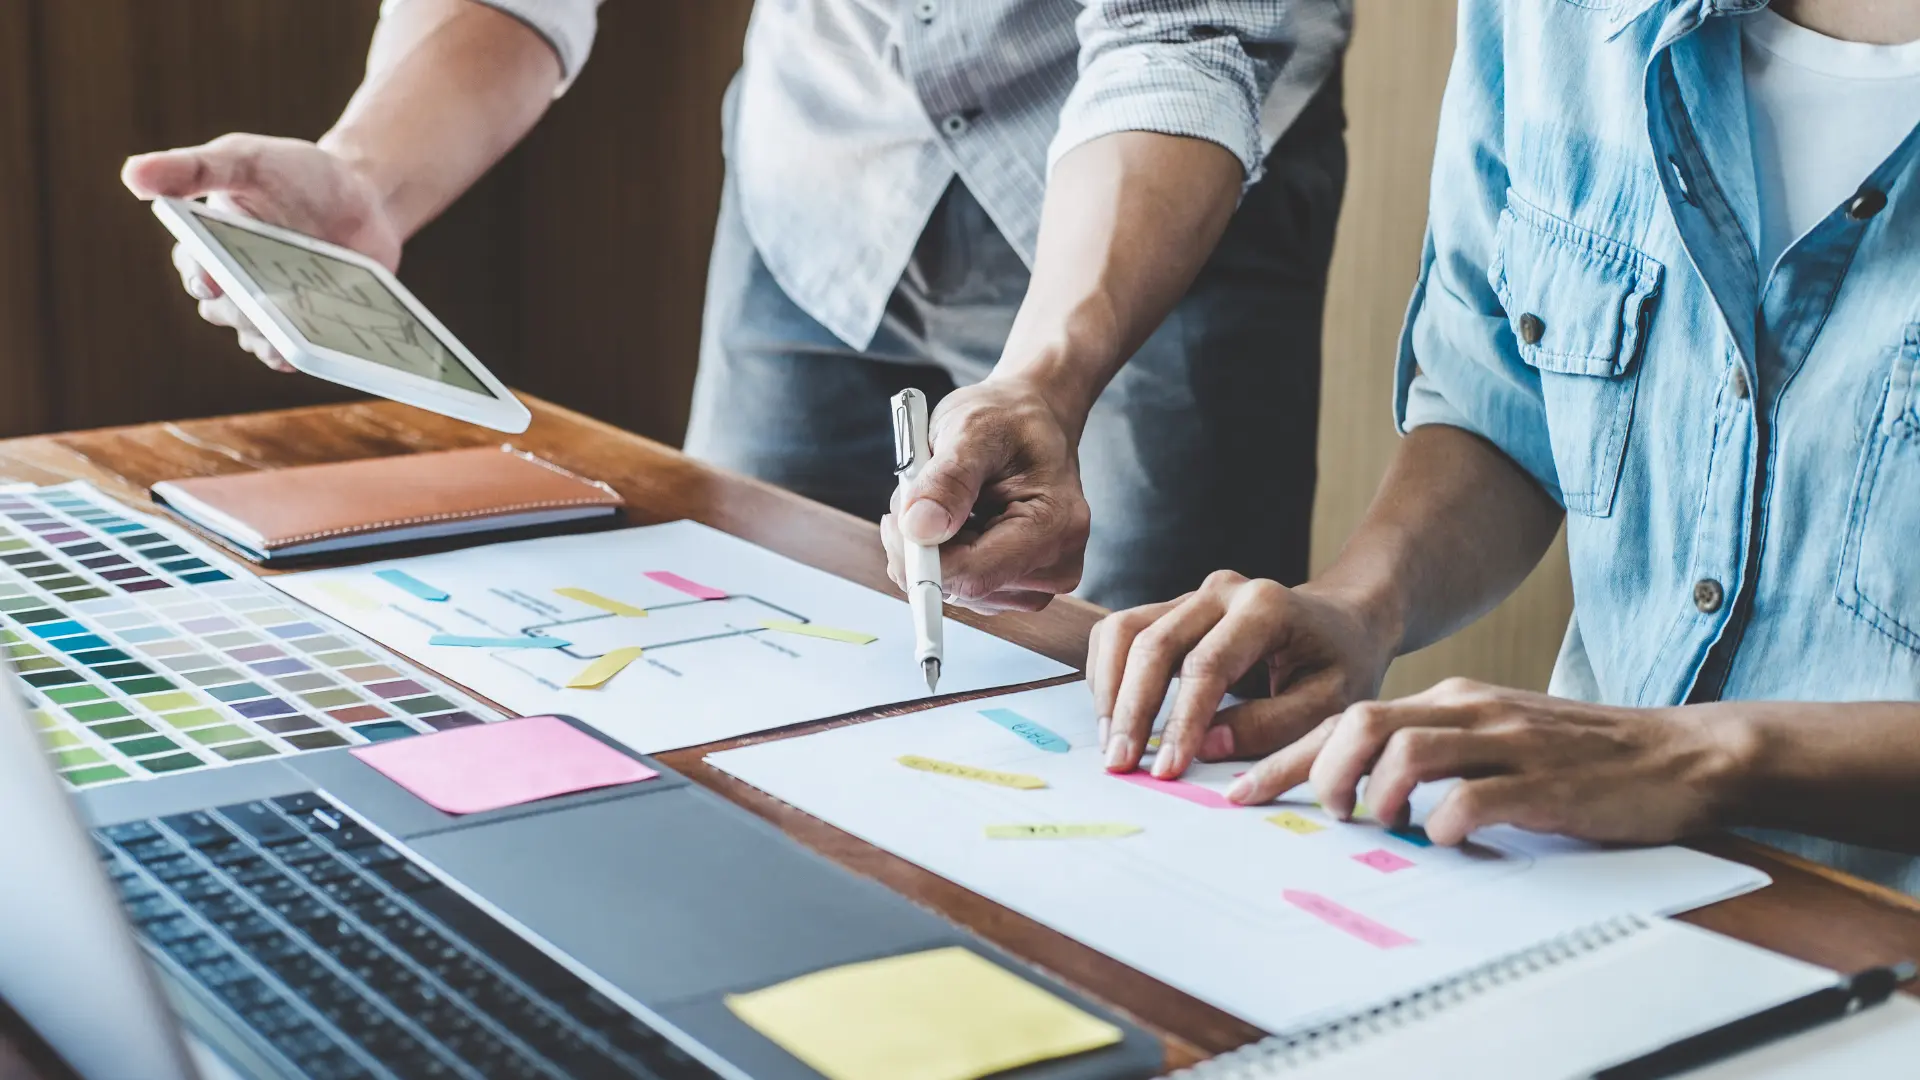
<point>944,1014</point>
<point>807,629</point>
<point>1296,824</point>
<point>1052,830</point>
<point>349,596</point>
<point>968,772</point>
<point>595,675</point>
<point>594,599</point>
<point>1153,744</point>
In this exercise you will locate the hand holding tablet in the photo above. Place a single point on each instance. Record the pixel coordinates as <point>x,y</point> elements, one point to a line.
<point>338,315</point>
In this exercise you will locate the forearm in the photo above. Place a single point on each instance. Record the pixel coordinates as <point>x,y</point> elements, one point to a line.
<point>1850,772</point>
<point>451,86</point>
<point>1129,219</point>
<point>1454,528</point>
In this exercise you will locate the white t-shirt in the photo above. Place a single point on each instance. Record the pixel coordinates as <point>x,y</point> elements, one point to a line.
<point>1823,114</point>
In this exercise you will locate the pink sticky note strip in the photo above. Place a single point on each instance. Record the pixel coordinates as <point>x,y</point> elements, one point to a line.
<point>1345,918</point>
<point>467,770</point>
<point>1179,789</point>
<point>692,588</point>
<point>1382,860</point>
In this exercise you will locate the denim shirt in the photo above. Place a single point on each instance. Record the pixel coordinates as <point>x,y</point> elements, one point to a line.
<point>1737,446</point>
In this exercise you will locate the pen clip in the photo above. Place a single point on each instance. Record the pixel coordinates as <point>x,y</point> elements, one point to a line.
<point>909,429</point>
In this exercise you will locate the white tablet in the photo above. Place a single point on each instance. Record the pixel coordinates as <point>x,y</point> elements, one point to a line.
<point>338,315</point>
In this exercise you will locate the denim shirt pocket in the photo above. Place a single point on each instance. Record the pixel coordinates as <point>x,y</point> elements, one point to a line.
<point>1579,305</point>
<point>1879,578</point>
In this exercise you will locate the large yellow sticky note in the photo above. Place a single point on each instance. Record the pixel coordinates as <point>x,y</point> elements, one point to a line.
<point>594,599</point>
<point>807,629</point>
<point>968,772</point>
<point>1060,830</point>
<point>945,1014</point>
<point>612,663</point>
<point>1295,823</point>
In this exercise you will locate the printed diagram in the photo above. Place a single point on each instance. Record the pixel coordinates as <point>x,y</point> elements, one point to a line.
<point>666,626</point>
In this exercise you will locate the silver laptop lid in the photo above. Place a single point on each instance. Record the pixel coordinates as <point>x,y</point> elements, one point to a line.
<point>68,963</point>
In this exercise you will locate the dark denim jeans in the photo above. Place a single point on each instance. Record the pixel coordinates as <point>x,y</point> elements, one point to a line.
<point>1199,455</point>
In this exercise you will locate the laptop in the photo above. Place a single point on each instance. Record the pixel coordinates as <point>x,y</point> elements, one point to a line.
<point>310,918</point>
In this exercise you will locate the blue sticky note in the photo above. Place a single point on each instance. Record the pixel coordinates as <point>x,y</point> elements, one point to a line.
<point>1028,730</point>
<point>1412,834</point>
<point>402,580</point>
<point>499,642</point>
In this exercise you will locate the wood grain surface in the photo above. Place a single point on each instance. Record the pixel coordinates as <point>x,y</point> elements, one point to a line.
<point>1809,912</point>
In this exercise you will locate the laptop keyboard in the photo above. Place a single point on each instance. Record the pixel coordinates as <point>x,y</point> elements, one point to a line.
<point>351,961</point>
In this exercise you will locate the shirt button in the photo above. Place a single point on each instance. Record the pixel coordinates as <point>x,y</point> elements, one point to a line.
<point>955,125</point>
<point>1707,595</point>
<point>1867,203</point>
<point>1740,389</point>
<point>925,10</point>
<point>1531,328</point>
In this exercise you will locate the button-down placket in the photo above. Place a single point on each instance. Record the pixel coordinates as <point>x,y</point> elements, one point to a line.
<point>1713,209</point>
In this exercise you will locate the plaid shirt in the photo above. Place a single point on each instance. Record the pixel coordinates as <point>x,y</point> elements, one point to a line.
<point>849,118</point>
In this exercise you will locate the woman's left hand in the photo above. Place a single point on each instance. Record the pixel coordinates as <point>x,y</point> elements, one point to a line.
<point>1543,763</point>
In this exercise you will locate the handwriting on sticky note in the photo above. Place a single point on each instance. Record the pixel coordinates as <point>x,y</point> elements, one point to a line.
<point>596,674</point>
<point>1028,730</point>
<point>1344,918</point>
<point>1295,823</point>
<point>595,600</point>
<point>807,629</point>
<point>1179,789</point>
<point>472,769</point>
<point>968,772</point>
<point>1412,834</point>
<point>350,596</point>
<point>692,588</point>
<point>1062,830</point>
<point>468,641</point>
<point>406,582</point>
<point>1382,860</point>
<point>943,1014</point>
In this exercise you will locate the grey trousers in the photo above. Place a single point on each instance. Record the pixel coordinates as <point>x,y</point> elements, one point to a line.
<point>1198,456</point>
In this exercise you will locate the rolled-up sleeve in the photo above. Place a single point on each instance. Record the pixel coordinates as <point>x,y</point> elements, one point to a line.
<point>567,25</point>
<point>1200,68</point>
<point>1459,364</point>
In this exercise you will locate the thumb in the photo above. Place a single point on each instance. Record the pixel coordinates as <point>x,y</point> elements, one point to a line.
<point>222,165</point>
<point>940,498</point>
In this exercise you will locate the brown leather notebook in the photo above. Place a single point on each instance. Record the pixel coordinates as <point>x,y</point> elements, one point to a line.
<point>312,509</point>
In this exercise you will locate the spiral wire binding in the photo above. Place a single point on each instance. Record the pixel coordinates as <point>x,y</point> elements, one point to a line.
<point>1279,1054</point>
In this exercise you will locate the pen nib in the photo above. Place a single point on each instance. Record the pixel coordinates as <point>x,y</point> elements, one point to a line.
<point>931,666</point>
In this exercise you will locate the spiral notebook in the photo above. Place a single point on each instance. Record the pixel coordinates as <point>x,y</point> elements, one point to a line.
<point>1577,1004</point>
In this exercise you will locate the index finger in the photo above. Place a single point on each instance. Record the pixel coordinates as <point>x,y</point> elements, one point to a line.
<point>1228,651</point>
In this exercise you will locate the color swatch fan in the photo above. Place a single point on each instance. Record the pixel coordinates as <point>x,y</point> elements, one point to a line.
<point>146,653</point>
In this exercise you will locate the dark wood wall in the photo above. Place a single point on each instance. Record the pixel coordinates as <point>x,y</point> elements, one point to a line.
<point>574,270</point>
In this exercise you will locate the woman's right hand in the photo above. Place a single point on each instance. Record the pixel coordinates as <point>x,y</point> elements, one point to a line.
<point>287,182</point>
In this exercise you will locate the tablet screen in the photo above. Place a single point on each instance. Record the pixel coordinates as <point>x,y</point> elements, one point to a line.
<point>342,307</point>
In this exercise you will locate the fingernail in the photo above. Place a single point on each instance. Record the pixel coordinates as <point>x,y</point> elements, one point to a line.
<point>1163,763</point>
<point>1240,790</point>
<point>926,522</point>
<point>1218,743</point>
<point>198,289</point>
<point>1117,752</point>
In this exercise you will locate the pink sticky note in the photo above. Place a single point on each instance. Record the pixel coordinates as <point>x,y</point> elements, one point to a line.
<point>1345,918</point>
<point>467,770</point>
<point>1382,860</point>
<point>692,588</point>
<point>1179,789</point>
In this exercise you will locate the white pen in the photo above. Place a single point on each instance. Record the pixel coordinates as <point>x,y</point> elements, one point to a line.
<point>911,451</point>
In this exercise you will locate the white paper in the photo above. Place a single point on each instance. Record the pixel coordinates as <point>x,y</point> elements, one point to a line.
<point>1198,898</point>
<point>709,672</point>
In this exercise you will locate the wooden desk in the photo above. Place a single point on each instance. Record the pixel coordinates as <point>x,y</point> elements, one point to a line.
<point>1809,912</point>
